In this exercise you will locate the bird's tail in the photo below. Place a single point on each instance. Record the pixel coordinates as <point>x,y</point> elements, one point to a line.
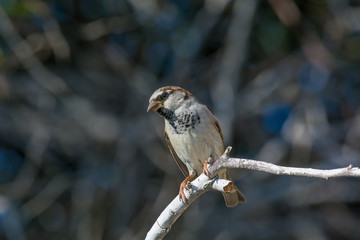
<point>232,199</point>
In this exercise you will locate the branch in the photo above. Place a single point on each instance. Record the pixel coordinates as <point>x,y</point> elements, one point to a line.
<point>204,183</point>
<point>174,210</point>
<point>226,162</point>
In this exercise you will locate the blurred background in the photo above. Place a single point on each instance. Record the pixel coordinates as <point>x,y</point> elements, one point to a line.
<point>81,159</point>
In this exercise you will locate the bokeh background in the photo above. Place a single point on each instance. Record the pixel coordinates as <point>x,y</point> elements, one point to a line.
<point>81,159</point>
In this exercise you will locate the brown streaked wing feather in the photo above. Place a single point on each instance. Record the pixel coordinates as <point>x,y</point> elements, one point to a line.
<point>178,161</point>
<point>217,125</point>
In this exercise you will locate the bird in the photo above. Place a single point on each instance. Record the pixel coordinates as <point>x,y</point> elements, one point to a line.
<point>193,135</point>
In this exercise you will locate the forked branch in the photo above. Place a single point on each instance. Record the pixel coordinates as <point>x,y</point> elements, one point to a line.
<point>203,184</point>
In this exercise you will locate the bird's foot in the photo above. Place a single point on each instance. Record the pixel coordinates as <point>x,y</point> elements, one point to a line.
<point>205,168</point>
<point>186,184</point>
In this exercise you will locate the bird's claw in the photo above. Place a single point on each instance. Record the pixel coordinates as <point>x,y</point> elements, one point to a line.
<point>187,185</point>
<point>205,168</point>
<point>181,191</point>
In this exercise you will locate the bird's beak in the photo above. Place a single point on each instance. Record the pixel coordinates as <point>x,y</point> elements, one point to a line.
<point>154,106</point>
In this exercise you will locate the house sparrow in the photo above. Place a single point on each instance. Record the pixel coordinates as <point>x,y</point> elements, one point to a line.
<point>192,133</point>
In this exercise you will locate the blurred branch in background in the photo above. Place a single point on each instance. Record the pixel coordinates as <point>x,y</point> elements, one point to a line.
<point>314,50</point>
<point>230,65</point>
<point>27,57</point>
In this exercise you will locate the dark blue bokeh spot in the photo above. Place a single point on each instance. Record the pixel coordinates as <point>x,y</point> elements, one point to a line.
<point>105,177</point>
<point>274,117</point>
<point>312,79</point>
<point>62,9</point>
<point>166,22</point>
<point>125,42</point>
<point>331,103</point>
<point>92,10</point>
<point>10,164</point>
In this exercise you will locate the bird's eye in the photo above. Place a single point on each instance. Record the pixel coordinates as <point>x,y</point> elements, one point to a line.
<point>163,96</point>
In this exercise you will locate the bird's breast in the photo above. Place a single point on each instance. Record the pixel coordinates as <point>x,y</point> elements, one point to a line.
<point>184,122</point>
<point>194,139</point>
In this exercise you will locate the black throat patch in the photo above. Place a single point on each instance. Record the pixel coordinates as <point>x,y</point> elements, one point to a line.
<point>180,123</point>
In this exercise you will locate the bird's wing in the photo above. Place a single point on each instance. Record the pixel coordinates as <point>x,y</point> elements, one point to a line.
<point>178,161</point>
<point>216,125</point>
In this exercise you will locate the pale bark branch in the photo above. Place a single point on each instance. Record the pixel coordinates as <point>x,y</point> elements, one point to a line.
<point>204,183</point>
<point>226,162</point>
<point>174,210</point>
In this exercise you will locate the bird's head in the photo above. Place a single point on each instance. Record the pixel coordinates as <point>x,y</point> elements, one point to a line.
<point>170,97</point>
